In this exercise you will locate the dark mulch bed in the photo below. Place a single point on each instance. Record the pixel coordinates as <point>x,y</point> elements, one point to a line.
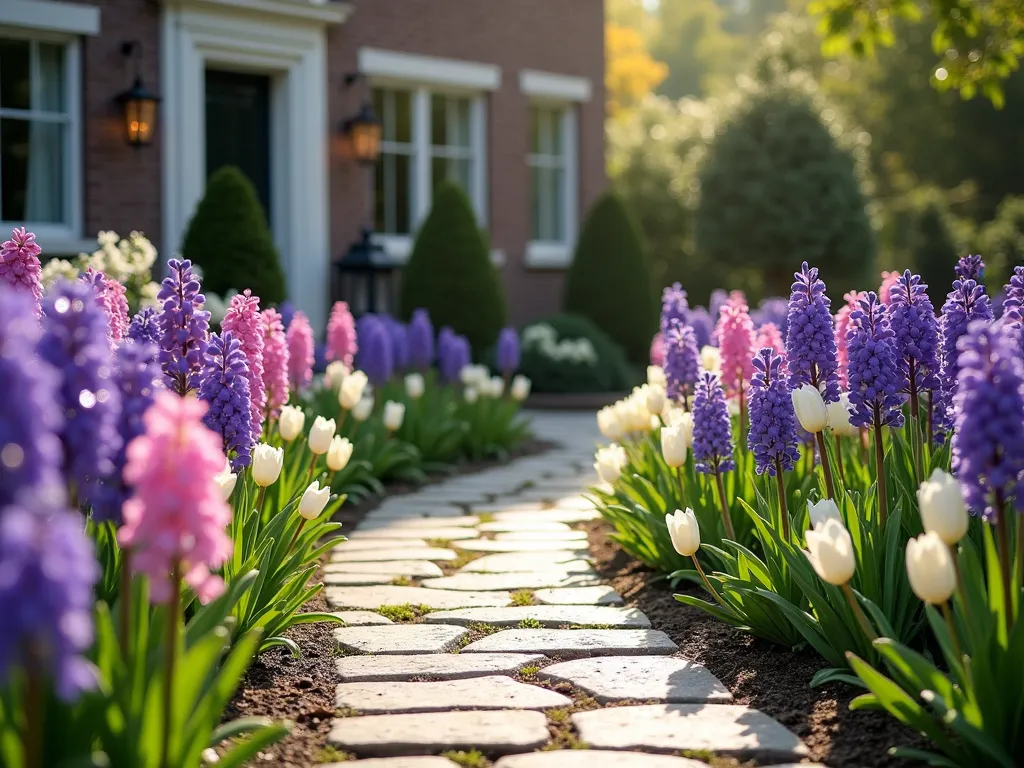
<point>302,690</point>
<point>758,673</point>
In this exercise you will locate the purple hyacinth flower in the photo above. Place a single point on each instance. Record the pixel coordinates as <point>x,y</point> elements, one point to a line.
<point>810,341</point>
<point>716,302</point>
<point>145,327</point>
<point>399,336</point>
<point>508,351</point>
<point>287,311</point>
<point>774,310</point>
<point>75,342</point>
<point>184,327</point>
<point>421,340</point>
<point>138,377</point>
<point>453,354</point>
<point>703,326</point>
<point>47,574</point>
<point>1013,304</point>
<point>682,361</point>
<point>674,306</point>
<point>225,387</point>
<point>31,418</point>
<point>988,444</point>
<point>375,356</point>
<point>916,331</point>
<point>712,428</point>
<point>772,436</point>
<point>970,268</point>
<point>875,377</point>
<point>966,303</point>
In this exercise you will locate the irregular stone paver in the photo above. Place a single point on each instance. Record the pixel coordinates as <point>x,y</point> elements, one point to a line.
<point>458,521</point>
<point>521,526</point>
<point>546,615</point>
<point>359,546</point>
<point>400,638</point>
<point>489,581</point>
<point>617,678</point>
<point>579,596</point>
<point>391,553</point>
<point>442,666</point>
<point>393,534</point>
<point>492,732</point>
<point>567,536</point>
<point>571,643</point>
<point>596,758</point>
<point>363,618</point>
<point>558,515</point>
<point>726,729</point>
<point>577,502</point>
<point>490,545</point>
<point>491,692</point>
<point>504,562</point>
<point>371,598</point>
<point>420,569</point>
<point>359,579</point>
<point>502,507</point>
<point>409,512</point>
<point>399,762</point>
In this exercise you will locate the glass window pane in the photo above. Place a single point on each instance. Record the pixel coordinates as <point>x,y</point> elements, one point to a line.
<point>381,173</point>
<point>450,168</point>
<point>403,195</point>
<point>535,204</point>
<point>403,117</point>
<point>32,171</point>
<point>556,132</point>
<point>557,204</point>
<point>438,120</point>
<point>459,133</point>
<point>15,69</point>
<point>380,110</point>
<point>49,93</point>
<point>534,130</point>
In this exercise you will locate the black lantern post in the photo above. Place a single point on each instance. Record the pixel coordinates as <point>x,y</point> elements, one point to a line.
<point>138,104</point>
<point>365,270</point>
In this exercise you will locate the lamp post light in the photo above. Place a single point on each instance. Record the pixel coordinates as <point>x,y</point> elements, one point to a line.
<point>138,104</point>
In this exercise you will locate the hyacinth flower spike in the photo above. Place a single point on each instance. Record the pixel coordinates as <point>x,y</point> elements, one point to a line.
<point>811,354</point>
<point>682,362</point>
<point>772,437</point>
<point>712,439</point>
<point>875,396</point>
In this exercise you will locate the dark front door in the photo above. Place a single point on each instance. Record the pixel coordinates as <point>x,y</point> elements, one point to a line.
<point>238,127</point>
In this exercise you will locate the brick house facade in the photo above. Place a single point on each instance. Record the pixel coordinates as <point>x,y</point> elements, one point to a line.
<point>504,97</point>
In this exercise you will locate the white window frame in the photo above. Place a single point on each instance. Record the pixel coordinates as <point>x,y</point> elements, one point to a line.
<point>563,93</point>
<point>63,238</point>
<point>424,77</point>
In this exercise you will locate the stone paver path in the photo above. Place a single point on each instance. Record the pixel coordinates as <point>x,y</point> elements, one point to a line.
<point>476,621</point>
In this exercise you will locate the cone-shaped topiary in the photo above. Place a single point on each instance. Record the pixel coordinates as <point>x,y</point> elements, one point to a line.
<point>609,282</point>
<point>781,185</point>
<point>450,273</point>
<point>229,239</point>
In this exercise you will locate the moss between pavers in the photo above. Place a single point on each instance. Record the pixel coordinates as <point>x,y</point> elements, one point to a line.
<point>462,559</point>
<point>439,543</point>
<point>476,631</point>
<point>713,760</point>
<point>529,624</point>
<point>524,597</point>
<point>406,613</point>
<point>487,517</point>
<point>472,759</point>
<point>401,581</point>
<point>331,755</point>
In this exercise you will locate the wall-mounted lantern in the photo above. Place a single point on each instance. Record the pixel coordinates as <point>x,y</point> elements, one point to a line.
<point>138,104</point>
<point>363,130</point>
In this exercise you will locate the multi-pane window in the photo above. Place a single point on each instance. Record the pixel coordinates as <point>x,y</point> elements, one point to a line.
<point>549,163</point>
<point>428,137</point>
<point>35,132</point>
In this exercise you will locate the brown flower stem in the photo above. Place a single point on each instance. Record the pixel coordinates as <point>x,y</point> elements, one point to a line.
<point>780,486</point>
<point>707,584</point>
<point>679,479</point>
<point>35,712</point>
<point>858,613</point>
<point>836,441</point>
<point>1005,566</point>
<point>883,492</point>
<point>830,488</point>
<point>295,537</point>
<point>914,425</point>
<point>260,498</point>
<point>730,532</point>
<point>948,616</point>
<point>312,466</point>
<point>172,643</point>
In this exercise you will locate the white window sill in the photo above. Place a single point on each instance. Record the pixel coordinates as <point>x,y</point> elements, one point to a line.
<point>64,246</point>
<point>542,255</point>
<point>399,247</point>
<point>51,16</point>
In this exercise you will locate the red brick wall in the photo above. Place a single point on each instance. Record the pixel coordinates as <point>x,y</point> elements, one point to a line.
<point>122,184</point>
<point>560,36</point>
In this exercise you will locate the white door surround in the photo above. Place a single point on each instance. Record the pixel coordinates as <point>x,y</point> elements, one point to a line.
<point>285,39</point>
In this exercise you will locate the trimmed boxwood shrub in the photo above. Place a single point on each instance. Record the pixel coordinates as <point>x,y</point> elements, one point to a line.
<point>609,282</point>
<point>229,239</point>
<point>553,371</point>
<point>450,273</point>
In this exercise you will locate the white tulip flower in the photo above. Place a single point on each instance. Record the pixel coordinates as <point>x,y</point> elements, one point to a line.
<point>673,446</point>
<point>930,568</point>
<point>352,389</point>
<point>415,386</point>
<point>321,434</point>
<point>266,464</point>
<point>943,509</point>
<point>839,417</point>
<point>394,415</point>
<point>520,389</point>
<point>830,550</point>
<point>810,408</point>
<point>313,500</point>
<point>684,532</point>
<point>291,422</point>
<point>226,480</point>
<point>822,510</point>
<point>339,453</point>
<point>361,410</point>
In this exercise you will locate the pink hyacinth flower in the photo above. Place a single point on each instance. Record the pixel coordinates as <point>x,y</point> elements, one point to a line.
<point>341,335</point>
<point>769,335</point>
<point>177,516</point>
<point>245,322</point>
<point>735,332</point>
<point>300,352</point>
<point>889,279</point>
<point>842,328</point>
<point>275,361</point>
<point>20,267</point>
<point>110,295</point>
<point>658,350</point>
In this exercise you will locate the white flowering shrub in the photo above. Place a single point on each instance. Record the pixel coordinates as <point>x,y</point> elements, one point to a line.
<point>543,338</point>
<point>568,353</point>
